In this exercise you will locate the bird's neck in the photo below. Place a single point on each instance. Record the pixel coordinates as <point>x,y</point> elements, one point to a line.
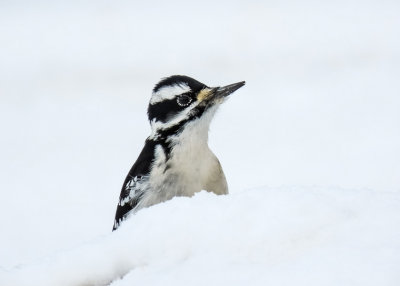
<point>193,133</point>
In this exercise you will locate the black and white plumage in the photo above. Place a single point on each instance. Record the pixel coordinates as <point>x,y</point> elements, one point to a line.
<point>176,159</point>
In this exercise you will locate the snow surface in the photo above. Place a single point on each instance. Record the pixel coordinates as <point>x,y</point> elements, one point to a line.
<point>301,236</point>
<point>320,108</point>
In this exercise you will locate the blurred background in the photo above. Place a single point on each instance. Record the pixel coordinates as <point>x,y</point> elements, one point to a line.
<point>321,105</point>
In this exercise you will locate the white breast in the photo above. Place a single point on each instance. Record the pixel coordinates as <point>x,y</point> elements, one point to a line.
<point>191,167</point>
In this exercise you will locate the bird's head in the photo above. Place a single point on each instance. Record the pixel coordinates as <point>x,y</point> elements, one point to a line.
<point>179,100</point>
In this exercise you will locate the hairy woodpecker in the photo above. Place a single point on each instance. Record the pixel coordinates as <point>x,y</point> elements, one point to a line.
<point>176,159</point>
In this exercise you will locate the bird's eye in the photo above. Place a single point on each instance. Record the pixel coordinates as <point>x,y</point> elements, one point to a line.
<point>184,100</point>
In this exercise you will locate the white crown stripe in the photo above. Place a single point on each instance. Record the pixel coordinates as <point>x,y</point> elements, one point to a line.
<point>169,92</point>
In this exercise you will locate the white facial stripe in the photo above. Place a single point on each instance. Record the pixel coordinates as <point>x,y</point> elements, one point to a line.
<point>169,92</point>
<point>182,115</point>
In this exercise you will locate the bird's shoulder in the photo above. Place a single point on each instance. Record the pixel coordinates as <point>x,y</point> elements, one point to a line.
<point>139,172</point>
<point>135,183</point>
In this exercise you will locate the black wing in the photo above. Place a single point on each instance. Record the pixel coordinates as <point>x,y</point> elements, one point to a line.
<point>133,187</point>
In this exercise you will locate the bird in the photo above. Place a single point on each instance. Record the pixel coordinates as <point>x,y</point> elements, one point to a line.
<point>176,159</point>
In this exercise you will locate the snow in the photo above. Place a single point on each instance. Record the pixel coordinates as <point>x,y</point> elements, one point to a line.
<point>310,146</point>
<point>310,236</point>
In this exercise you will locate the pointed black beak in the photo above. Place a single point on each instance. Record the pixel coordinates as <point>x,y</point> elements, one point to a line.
<point>228,89</point>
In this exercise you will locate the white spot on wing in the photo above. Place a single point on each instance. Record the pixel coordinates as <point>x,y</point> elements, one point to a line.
<point>134,186</point>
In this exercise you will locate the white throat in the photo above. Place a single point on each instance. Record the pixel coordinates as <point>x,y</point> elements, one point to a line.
<point>195,133</point>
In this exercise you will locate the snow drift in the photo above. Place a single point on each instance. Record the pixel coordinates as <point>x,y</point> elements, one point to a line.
<point>286,236</point>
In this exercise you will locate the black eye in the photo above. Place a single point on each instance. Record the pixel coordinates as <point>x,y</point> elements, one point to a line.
<point>183,100</point>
